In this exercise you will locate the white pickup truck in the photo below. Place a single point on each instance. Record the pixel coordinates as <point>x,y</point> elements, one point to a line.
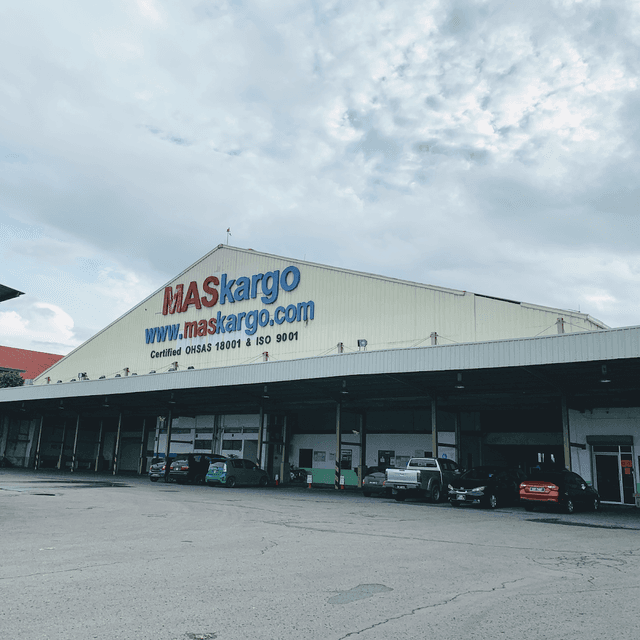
<point>423,477</point>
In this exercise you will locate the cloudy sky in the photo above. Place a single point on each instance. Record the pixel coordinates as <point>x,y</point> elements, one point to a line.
<point>484,145</point>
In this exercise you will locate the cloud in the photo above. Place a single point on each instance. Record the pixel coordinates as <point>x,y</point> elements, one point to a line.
<point>483,146</point>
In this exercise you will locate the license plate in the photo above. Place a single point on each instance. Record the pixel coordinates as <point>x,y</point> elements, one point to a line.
<point>540,489</point>
<point>401,486</point>
<point>373,482</point>
<point>463,498</point>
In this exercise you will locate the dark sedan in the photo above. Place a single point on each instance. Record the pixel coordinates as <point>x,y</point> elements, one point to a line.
<point>561,489</point>
<point>193,468</point>
<point>373,483</point>
<point>487,486</point>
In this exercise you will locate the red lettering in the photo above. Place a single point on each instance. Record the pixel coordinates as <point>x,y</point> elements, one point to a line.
<point>212,326</point>
<point>206,285</point>
<point>193,297</point>
<point>202,328</point>
<point>172,303</point>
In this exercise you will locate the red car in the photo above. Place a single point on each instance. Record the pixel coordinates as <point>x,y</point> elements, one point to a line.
<point>562,489</point>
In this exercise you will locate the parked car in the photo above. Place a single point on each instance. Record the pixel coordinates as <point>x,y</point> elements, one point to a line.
<point>236,471</point>
<point>193,468</point>
<point>561,489</point>
<point>487,486</point>
<point>423,477</point>
<point>373,482</point>
<point>156,469</point>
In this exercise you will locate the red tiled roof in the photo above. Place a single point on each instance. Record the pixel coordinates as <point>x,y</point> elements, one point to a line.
<point>33,363</point>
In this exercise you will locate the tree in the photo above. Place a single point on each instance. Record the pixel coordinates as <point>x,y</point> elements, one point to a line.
<point>10,379</point>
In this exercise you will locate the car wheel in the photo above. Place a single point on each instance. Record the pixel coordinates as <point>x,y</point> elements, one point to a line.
<point>399,497</point>
<point>569,507</point>
<point>231,482</point>
<point>366,494</point>
<point>435,493</point>
<point>492,501</point>
<point>263,481</point>
<point>528,507</point>
<point>153,479</point>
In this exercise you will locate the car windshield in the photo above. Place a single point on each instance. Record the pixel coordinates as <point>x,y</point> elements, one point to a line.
<point>481,473</point>
<point>217,465</point>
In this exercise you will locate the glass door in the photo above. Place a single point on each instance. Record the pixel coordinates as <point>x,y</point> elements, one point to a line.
<point>614,473</point>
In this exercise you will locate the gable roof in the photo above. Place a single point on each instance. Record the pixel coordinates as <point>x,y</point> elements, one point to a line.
<point>29,364</point>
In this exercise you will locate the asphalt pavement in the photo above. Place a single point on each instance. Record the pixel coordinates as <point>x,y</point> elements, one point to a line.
<point>106,557</point>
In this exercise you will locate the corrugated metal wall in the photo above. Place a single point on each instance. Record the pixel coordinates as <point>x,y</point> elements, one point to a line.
<point>347,306</point>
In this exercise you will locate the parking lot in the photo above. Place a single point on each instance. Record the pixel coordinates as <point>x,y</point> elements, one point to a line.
<point>122,558</point>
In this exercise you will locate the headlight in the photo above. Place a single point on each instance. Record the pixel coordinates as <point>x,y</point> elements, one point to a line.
<point>450,487</point>
<point>478,489</point>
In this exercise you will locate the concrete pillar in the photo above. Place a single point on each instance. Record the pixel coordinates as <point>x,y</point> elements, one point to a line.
<point>96,467</point>
<point>260,437</point>
<point>116,448</point>
<point>336,482</point>
<point>362,421</point>
<point>434,427</point>
<point>167,463</point>
<point>75,445</point>
<point>39,443</point>
<point>566,441</point>
<point>143,446</point>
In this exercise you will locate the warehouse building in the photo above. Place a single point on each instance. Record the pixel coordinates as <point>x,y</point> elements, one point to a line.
<point>292,363</point>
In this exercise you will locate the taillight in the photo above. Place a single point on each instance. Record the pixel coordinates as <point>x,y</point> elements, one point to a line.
<point>418,476</point>
<point>184,468</point>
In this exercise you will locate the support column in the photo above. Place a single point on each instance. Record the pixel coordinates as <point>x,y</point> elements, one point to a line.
<point>458,431</point>
<point>143,446</point>
<point>96,467</point>
<point>64,435</point>
<point>260,430</point>
<point>565,433</point>
<point>5,425</point>
<point>284,450</point>
<point>75,445</point>
<point>336,482</point>
<point>363,443</point>
<point>434,427</point>
<point>116,449</point>
<point>167,463</point>
<point>37,460</point>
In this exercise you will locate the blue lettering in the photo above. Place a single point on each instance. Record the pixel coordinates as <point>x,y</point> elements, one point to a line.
<point>305,310</point>
<point>150,335</point>
<point>161,334</point>
<point>219,320</point>
<point>291,313</point>
<point>295,272</point>
<point>254,284</point>
<point>271,290</point>
<point>240,317</point>
<point>243,289</point>
<point>277,317</point>
<point>225,289</point>
<point>173,331</point>
<point>251,323</point>
<point>263,318</point>
<point>231,323</point>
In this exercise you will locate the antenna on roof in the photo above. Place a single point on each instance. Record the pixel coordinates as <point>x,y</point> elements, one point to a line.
<point>228,234</point>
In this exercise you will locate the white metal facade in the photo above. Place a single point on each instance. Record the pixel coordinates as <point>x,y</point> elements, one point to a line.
<point>323,308</point>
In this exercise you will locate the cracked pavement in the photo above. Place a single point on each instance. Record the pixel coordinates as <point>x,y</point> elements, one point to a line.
<point>132,560</point>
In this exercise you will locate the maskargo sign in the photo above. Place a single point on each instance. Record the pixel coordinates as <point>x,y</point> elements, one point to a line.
<point>224,290</point>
